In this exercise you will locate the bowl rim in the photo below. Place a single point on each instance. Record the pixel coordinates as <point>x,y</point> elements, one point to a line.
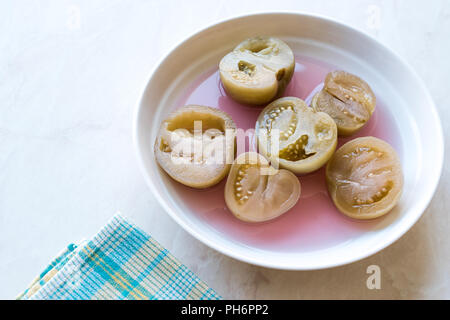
<point>439,140</point>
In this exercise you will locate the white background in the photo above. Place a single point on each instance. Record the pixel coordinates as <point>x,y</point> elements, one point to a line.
<point>70,75</point>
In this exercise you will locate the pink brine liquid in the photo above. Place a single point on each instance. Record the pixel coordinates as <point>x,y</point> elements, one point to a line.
<point>313,223</point>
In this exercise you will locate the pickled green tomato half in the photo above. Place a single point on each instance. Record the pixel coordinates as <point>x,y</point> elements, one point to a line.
<point>364,178</point>
<point>256,192</point>
<point>196,159</point>
<point>348,99</point>
<point>257,70</point>
<point>306,138</point>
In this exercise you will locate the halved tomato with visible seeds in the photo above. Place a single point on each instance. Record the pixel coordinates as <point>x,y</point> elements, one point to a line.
<point>365,178</point>
<point>294,136</point>
<point>348,99</point>
<point>257,192</point>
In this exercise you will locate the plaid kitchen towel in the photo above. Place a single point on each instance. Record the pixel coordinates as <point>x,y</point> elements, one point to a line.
<point>120,262</point>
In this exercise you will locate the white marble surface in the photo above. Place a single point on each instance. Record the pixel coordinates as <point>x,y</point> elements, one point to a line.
<point>70,74</point>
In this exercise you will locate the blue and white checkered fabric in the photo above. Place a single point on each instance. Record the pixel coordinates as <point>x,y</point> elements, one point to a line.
<point>120,262</point>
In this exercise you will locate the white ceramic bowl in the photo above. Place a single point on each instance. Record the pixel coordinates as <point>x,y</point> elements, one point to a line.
<point>413,111</point>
